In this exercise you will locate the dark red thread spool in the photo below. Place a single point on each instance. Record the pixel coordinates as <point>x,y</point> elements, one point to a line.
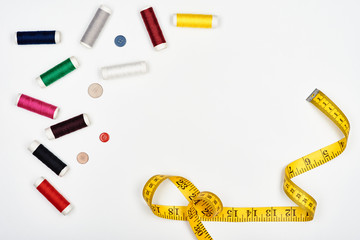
<point>67,126</point>
<point>53,196</point>
<point>153,28</point>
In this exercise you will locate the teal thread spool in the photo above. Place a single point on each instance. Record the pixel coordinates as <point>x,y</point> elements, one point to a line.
<point>57,72</point>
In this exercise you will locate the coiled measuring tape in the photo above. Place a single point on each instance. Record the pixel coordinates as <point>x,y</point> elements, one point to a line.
<point>206,206</point>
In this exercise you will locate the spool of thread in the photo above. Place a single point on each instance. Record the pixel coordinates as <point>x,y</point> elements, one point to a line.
<point>195,20</point>
<point>123,70</point>
<point>95,26</point>
<point>58,72</point>
<point>37,37</point>
<point>48,158</point>
<point>37,106</point>
<point>153,28</point>
<point>67,126</point>
<point>53,196</point>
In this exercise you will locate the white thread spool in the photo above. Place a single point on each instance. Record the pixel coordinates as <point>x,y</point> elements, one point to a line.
<point>123,70</point>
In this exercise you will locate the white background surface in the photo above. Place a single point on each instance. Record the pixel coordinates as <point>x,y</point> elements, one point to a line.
<point>224,108</point>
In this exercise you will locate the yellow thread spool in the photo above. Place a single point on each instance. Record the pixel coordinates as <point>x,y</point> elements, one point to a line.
<point>195,20</point>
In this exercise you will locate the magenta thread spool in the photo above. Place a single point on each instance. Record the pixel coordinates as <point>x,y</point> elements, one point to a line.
<point>37,106</point>
<point>68,126</point>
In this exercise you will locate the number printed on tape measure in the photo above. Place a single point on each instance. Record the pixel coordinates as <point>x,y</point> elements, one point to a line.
<point>206,206</point>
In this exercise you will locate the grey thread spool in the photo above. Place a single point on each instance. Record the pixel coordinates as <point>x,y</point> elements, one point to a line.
<point>123,70</point>
<point>95,26</point>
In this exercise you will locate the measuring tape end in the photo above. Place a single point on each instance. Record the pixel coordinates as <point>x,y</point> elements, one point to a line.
<point>312,95</point>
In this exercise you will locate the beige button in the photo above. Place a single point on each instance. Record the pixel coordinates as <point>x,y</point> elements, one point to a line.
<point>82,158</point>
<point>95,90</point>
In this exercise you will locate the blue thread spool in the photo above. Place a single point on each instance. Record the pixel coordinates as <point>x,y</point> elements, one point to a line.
<point>37,37</point>
<point>120,41</point>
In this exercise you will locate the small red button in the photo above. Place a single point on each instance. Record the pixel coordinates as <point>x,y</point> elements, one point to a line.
<point>104,137</point>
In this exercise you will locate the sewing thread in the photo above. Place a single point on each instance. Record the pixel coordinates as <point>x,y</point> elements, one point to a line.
<point>53,196</point>
<point>95,27</point>
<point>37,106</point>
<point>58,72</point>
<point>37,37</point>
<point>48,158</point>
<point>123,70</point>
<point>153,28</point>
<point>67,126</point>
<point>195,20</point>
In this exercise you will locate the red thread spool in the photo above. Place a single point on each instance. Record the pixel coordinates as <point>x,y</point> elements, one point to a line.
<point>54,197</point>
<point>37,106</point>
<point>153,28</point>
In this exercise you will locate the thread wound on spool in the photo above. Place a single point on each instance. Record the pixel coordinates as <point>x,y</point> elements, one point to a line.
<point>53,196</point>
<point>67,126</point>
<point>58,72</point>
<point>123,70</point>
<point>153,28</point>
<point>37,37</point>
<point>37,106</point>
<point>95,27</point>
<point>195,20</point>
<point>48,158</point>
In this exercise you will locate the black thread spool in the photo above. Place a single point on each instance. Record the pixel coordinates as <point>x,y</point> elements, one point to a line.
<point>48,158</point>
<point>67,126</point>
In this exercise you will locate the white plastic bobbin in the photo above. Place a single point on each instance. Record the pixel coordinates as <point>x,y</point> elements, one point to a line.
<point>56,113</point>
<point>18,99</point>
<point>40,82</point>
<point>64,171</point>
<point>39,181</point>
<point>161,46</point>
<point>33,146</point>
<point>86,119</point>
<point>67,210</point>
<point>49,134</point>
<point>75,62</point>
<point>106,9</point>
<point>57,37</point>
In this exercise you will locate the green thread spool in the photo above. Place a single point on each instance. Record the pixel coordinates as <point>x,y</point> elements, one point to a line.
<point>57,72</point>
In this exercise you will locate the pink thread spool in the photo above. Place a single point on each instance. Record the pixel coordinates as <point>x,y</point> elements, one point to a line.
<point>37,106</point>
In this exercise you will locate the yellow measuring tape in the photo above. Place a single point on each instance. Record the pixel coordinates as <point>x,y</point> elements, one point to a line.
<point>206,206</point>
